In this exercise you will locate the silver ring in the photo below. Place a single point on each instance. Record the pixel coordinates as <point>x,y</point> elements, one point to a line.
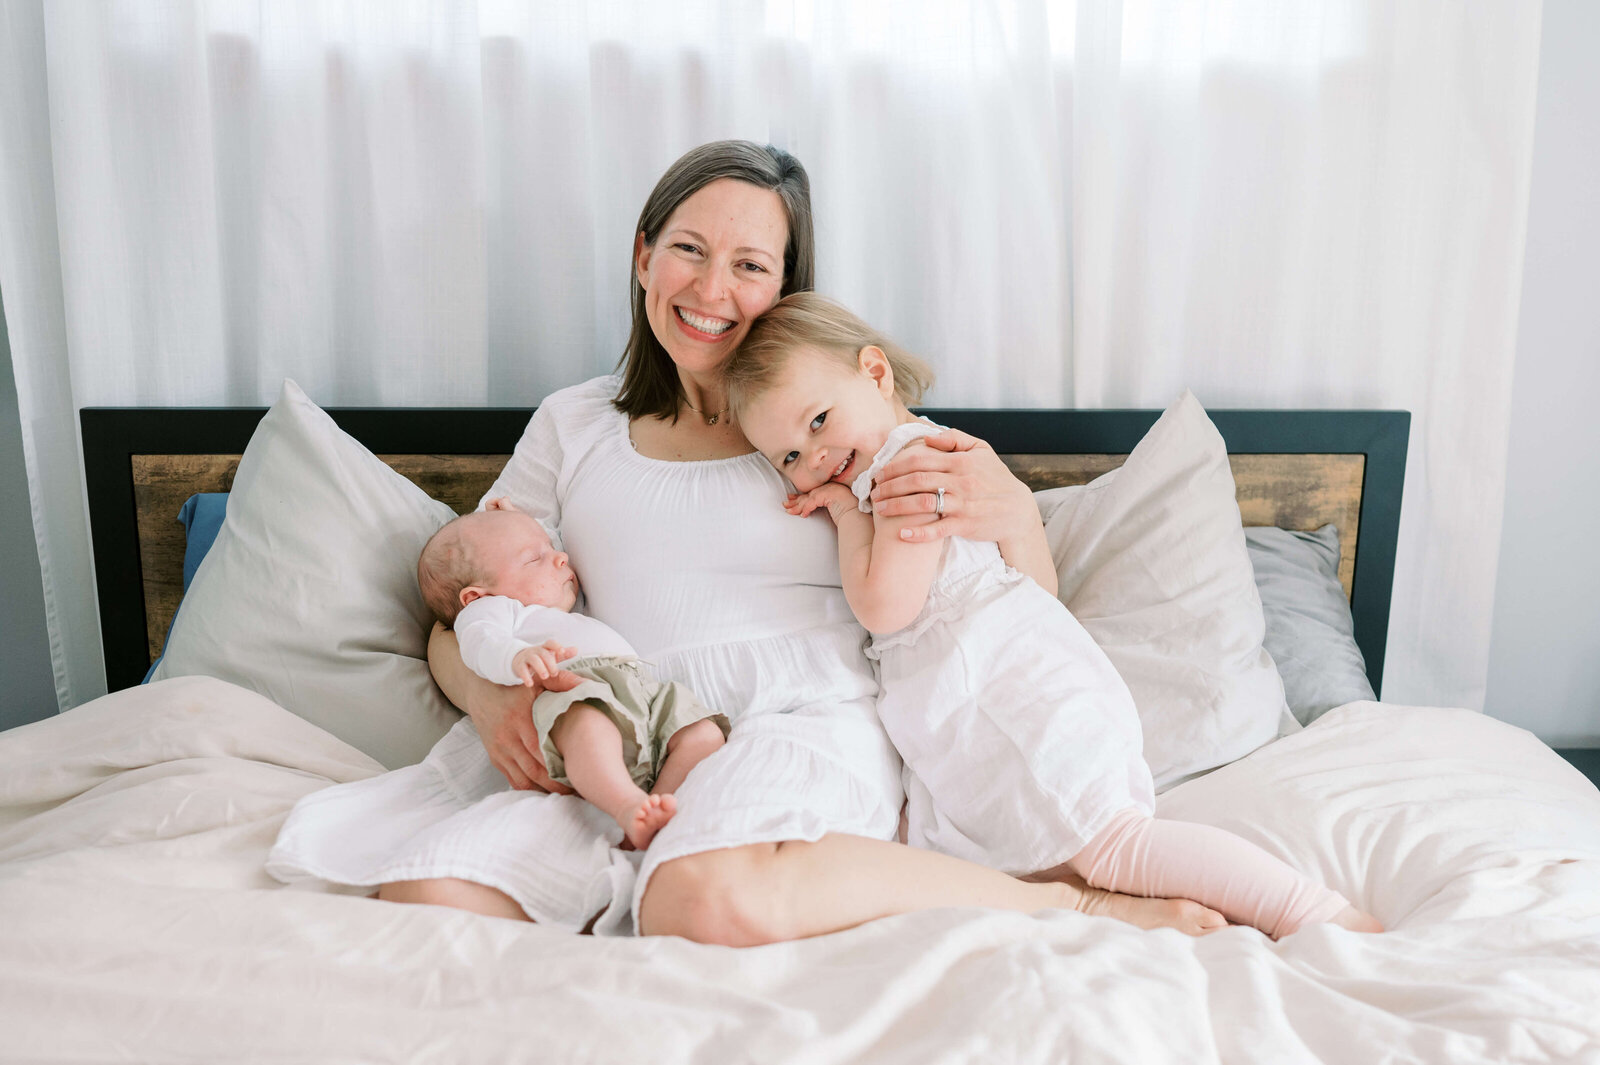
<point>938,504</point>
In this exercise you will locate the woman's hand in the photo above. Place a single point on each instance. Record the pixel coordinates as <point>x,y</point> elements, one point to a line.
<point>504,721</point>
<point>983,500</point>
<point>502,714</point>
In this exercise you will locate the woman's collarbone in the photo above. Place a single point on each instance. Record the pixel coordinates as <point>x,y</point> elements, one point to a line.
<point>687,440</point>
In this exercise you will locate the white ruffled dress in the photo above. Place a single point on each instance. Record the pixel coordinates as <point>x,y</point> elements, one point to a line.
<point>1019,737</point>
<point>698,566</point>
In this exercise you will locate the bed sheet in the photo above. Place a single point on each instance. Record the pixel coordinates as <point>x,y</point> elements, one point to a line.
<point>136,923</point>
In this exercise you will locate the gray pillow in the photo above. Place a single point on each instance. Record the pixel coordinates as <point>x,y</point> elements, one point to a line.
<point>1310,633</point>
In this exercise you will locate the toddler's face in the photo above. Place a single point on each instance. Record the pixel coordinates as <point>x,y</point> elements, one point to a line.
<point>512,548</point>
<point>822,421</point>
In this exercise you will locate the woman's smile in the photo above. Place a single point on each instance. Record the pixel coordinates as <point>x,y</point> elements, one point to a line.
<point>705,327</point>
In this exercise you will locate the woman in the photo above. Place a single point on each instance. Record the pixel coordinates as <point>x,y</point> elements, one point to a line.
<point>676,525</point>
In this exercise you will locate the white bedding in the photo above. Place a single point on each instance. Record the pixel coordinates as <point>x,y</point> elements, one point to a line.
<point>136,923</point>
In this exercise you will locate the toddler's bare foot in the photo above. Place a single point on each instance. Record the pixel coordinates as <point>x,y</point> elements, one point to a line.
<point>1186,915</point>
<point>642,823</point>
<point>1356,921</point>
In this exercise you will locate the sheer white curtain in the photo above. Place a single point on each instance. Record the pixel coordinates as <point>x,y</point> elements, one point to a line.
<point>1314,203</point>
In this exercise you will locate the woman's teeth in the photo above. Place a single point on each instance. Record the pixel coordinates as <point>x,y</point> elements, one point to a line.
<point>714,326</point>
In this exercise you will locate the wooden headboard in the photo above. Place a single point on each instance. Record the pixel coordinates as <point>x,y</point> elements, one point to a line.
<point>1294,469</point>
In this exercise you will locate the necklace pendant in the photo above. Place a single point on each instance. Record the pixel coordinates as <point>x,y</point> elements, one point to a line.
<point>712,419</point>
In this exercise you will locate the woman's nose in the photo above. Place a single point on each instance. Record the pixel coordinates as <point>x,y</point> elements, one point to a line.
<point>711,285</point>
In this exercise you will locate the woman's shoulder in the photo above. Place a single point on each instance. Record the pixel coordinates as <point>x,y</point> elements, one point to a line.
<point>590,397</point>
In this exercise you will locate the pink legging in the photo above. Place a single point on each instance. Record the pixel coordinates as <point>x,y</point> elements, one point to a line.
<point>1138,855</point>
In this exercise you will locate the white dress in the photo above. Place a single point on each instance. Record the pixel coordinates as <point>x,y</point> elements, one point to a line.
<point>696,565</point>
<point>1020,739</point>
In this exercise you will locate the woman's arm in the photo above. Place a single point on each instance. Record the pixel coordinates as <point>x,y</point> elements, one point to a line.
<point>501,714</point>
<point>983,500</point>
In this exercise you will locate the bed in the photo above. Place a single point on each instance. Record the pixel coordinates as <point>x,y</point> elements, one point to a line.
<point>139,923</point>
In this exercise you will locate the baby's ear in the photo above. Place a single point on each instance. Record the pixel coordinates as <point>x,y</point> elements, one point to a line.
<point>471,592</point>
<point>500,503</point>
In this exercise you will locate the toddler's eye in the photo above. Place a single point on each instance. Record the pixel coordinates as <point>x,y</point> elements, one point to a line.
<point>790,457</point>
<point>816,423</point>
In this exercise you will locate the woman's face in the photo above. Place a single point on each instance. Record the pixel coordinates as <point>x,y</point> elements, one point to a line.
<point>717,264</point>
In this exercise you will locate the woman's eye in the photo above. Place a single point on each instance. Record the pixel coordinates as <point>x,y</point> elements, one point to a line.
<point>816,423</point>
<point>790,457</point>
<point>686,247</point>
<point>754,268</point>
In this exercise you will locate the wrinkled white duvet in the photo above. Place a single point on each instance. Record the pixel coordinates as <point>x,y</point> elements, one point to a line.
<point>136,923</point>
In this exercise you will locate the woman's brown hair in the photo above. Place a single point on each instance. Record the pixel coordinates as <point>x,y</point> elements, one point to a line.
<point>650,385</point>
<point>807,320</point>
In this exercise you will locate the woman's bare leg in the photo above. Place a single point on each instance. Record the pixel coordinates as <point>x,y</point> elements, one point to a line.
<point>773,892</point>
<point>459,894</point>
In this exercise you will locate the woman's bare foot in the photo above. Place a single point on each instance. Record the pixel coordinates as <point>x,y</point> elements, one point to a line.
<point>1356,921</point>
<point>1186,915</point>
<point>642,823</point>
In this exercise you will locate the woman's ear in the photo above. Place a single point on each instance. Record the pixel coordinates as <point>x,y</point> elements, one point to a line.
<point>641,258</point>
<point>875,364</point>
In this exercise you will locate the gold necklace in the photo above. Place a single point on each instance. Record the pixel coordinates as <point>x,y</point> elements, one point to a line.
<point>711,419</point>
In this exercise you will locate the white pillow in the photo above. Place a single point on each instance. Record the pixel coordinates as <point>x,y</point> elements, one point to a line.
<point>309,595</point>
<point>1151,558</point>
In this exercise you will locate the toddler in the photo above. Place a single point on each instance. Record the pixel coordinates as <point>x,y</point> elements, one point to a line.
<point>621,739</point>
<point>1021,743</point>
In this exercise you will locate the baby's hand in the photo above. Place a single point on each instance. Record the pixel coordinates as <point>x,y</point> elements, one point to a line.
<point>540,661</point>
<point>838,500</point>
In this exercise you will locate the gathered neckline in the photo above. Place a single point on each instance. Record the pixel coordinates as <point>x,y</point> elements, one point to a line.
<point>624,427</point>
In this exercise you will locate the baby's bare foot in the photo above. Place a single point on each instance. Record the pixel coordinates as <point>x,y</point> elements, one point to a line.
<point>1356,921</point>
<point>1186,915</point>
<point>646,819</point>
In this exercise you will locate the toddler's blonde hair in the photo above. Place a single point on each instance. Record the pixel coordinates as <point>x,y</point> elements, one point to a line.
<point>807,320</point>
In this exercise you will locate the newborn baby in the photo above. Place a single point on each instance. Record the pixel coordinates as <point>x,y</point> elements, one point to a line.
<point>621,739</point>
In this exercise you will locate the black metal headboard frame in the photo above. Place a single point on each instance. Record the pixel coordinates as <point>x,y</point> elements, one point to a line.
<point>113,435</point>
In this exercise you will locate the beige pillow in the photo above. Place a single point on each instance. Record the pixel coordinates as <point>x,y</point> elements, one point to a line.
<point>1151,558</point>
<point>309,595</point>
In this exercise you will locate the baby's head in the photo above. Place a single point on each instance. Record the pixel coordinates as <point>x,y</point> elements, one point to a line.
<point>817,390</point>
<point>499,551</point>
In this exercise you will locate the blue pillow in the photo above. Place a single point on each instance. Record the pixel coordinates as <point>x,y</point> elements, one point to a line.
<point>201,517</point>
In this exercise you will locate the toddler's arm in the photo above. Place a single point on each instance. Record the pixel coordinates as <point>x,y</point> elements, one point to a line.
<point>886,579</point>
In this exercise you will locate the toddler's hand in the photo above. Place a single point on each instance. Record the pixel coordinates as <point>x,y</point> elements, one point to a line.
<point>835,497</point>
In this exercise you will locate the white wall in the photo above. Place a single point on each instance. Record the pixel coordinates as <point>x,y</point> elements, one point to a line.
<point>1544,660</point>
